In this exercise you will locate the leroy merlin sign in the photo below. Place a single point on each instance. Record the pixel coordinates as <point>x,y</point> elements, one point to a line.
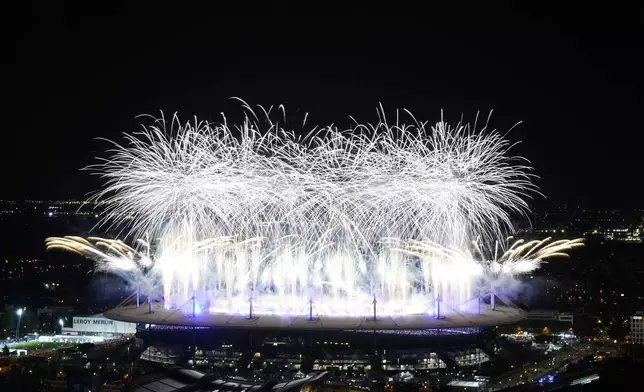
<point>93,321</point>
<point>102,325</point>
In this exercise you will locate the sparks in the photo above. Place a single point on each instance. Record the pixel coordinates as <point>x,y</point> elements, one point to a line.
<point>377,212</point>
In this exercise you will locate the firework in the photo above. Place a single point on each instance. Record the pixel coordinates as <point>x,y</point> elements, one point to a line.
<point>340,218</point>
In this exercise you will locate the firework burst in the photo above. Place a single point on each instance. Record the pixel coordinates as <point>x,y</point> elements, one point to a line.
<point>338,217</point>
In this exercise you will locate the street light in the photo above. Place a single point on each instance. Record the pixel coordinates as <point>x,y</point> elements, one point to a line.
<point>19,313</point>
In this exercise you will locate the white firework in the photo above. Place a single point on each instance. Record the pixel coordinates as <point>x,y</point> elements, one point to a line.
<point>338,217</point>
<point>523,257</point>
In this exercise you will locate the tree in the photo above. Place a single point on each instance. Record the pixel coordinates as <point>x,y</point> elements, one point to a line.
<point>5,350</point>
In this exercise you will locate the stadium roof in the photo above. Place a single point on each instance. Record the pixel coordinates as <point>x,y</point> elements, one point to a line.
<point>162,316</point>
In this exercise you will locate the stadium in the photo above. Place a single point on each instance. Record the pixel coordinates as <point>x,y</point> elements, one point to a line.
<point>374,237</point>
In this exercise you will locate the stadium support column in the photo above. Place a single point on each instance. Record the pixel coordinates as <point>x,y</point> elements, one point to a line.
<point>492,300</point>
<point>149,304</point>
<point>310,309</point>
<point>250,308</point>
<point>438,306</point>
<point>374,308</point>
<point>138,297</point>
<point>194,306</point>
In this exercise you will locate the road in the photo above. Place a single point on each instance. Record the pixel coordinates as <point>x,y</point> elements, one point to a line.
<point>533,372</point>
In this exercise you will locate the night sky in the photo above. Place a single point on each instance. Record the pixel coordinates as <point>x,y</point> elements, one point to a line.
<point>81,73</point>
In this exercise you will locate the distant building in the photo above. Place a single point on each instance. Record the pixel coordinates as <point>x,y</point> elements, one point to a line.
<point>165,354</point>
<point>550,315</point>
<point>637,328</point>
<point>55,310</point>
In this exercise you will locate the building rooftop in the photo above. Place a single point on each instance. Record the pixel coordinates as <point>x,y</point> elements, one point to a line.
<point>182,380</point>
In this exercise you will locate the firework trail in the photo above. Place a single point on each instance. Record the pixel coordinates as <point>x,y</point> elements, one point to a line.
<point>522,257</point>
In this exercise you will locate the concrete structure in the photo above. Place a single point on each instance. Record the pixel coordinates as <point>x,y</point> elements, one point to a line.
<point>550,315</point>
<point>637,328</point>
<point>55,310</point>
<point>165,354</point>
